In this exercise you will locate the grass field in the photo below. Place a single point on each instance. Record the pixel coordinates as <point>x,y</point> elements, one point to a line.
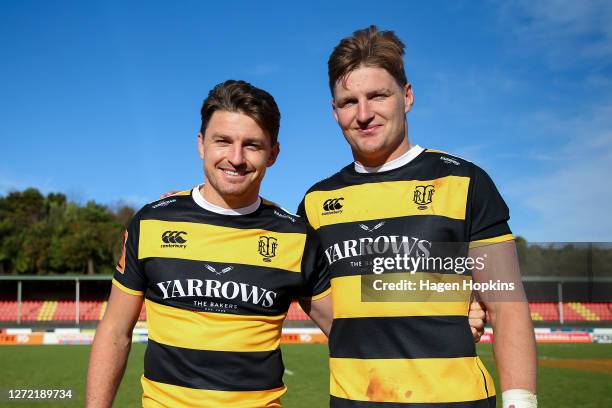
<point>570,375</point>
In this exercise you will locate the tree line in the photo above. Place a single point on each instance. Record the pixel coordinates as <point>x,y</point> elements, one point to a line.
<point>565,259</point>
<point>50,235</point>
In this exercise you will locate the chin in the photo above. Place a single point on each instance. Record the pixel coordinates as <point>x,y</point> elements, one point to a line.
<point>234,191</point>
<point>369,149</point>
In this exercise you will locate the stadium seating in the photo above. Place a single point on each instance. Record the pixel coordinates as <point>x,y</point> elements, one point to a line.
<point>8,311</point>
<point>296,312</point>
<point>544,311</point>
<point>64,311</point>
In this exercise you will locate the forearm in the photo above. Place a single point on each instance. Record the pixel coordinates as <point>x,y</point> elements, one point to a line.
<point>324,323</point>
<point>106,366</point>
<point>514,345</point>
<point>320,311</point>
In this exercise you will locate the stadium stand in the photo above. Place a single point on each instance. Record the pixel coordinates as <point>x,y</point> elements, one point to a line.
<point>544,311</point>
<point>47,311</point>
<point>64,310</point>
<point>30,310</point>
<point>8,311</point>
<point>296,313</point>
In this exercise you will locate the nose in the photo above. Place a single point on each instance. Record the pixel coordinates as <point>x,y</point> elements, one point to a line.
<point>364,112</point>
<point>236,155</point>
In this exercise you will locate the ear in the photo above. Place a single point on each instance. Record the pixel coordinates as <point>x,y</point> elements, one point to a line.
<point>273,154</point>
<point>408,97</point>
<point>201,145</point>
<point>334,110</point>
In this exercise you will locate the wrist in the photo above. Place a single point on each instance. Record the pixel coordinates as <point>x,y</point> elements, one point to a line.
<point>519,398</point>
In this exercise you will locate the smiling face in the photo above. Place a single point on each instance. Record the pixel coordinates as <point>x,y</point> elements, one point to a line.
<point>236,152</point>
<point>371,108</point>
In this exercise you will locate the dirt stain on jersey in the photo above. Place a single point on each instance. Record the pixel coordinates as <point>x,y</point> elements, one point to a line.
<point>380,391</point>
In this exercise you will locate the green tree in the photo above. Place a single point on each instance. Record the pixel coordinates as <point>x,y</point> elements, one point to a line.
<point>46,235</point>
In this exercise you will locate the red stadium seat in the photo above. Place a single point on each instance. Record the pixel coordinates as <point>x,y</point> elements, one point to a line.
<point>64,311</point>
<point>296,313</point>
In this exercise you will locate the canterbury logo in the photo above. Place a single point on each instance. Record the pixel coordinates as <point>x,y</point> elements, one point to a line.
<point>174,237</point>
<point>333,204</point>
<point>374,228</point>
<point>222,271</point>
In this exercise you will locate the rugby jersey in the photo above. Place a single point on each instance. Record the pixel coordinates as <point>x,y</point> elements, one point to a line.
<point>389,352</point>
<point>217,288</point>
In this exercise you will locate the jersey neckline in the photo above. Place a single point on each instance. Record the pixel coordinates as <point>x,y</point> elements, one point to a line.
<point>401,161</point>
<point>202,202</point>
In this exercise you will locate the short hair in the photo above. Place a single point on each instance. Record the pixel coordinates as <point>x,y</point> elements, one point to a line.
<point>242,97</point>
<point>371,48</point>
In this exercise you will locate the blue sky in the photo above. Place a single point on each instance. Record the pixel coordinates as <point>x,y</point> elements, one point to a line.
<point>100,100</point>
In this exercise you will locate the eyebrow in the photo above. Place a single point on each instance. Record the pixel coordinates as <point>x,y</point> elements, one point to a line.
<point>219,136</point>
<point>379,91</point>
<point>247,139</point>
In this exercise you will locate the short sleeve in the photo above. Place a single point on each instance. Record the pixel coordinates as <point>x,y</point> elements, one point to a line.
<point>488,213</point>
<point>129,276</point>
<point>315,269</point>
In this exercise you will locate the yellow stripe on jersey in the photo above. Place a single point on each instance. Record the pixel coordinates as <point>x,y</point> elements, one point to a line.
<point>425,380</point>
<point>181,193</point>
<point>489,241</point>
<point>212,331</point>
<point>389,200</point>
<point>434,151</point>
<point>205,242</point>
<point>127,290</point>
<point>268,202</point>
<point>319,296</point>
<point>158,395</point>
<point>346,300</point>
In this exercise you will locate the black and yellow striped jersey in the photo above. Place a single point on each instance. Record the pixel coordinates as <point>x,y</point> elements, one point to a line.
<point>217,288</point>
<point>391,353</point>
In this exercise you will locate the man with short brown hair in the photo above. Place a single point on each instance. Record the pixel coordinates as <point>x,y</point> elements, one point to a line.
<point>403,200</point>
<point>217,267</point>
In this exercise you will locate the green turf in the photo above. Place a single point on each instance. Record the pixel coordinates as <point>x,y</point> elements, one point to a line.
<point>65,367</point>
<point>565,387</point>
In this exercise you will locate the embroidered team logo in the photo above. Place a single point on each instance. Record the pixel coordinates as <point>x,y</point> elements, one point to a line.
<point>423,196</point>
<point>267,247</point>
<point>218,272</point>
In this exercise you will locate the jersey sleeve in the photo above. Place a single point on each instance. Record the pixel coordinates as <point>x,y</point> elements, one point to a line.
<point>489,214</point>
<point>129,275</point>
<point>314,269</point>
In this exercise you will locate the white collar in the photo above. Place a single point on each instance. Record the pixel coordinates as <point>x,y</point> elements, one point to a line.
<point>202,202</point>
<point>404,159</point>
